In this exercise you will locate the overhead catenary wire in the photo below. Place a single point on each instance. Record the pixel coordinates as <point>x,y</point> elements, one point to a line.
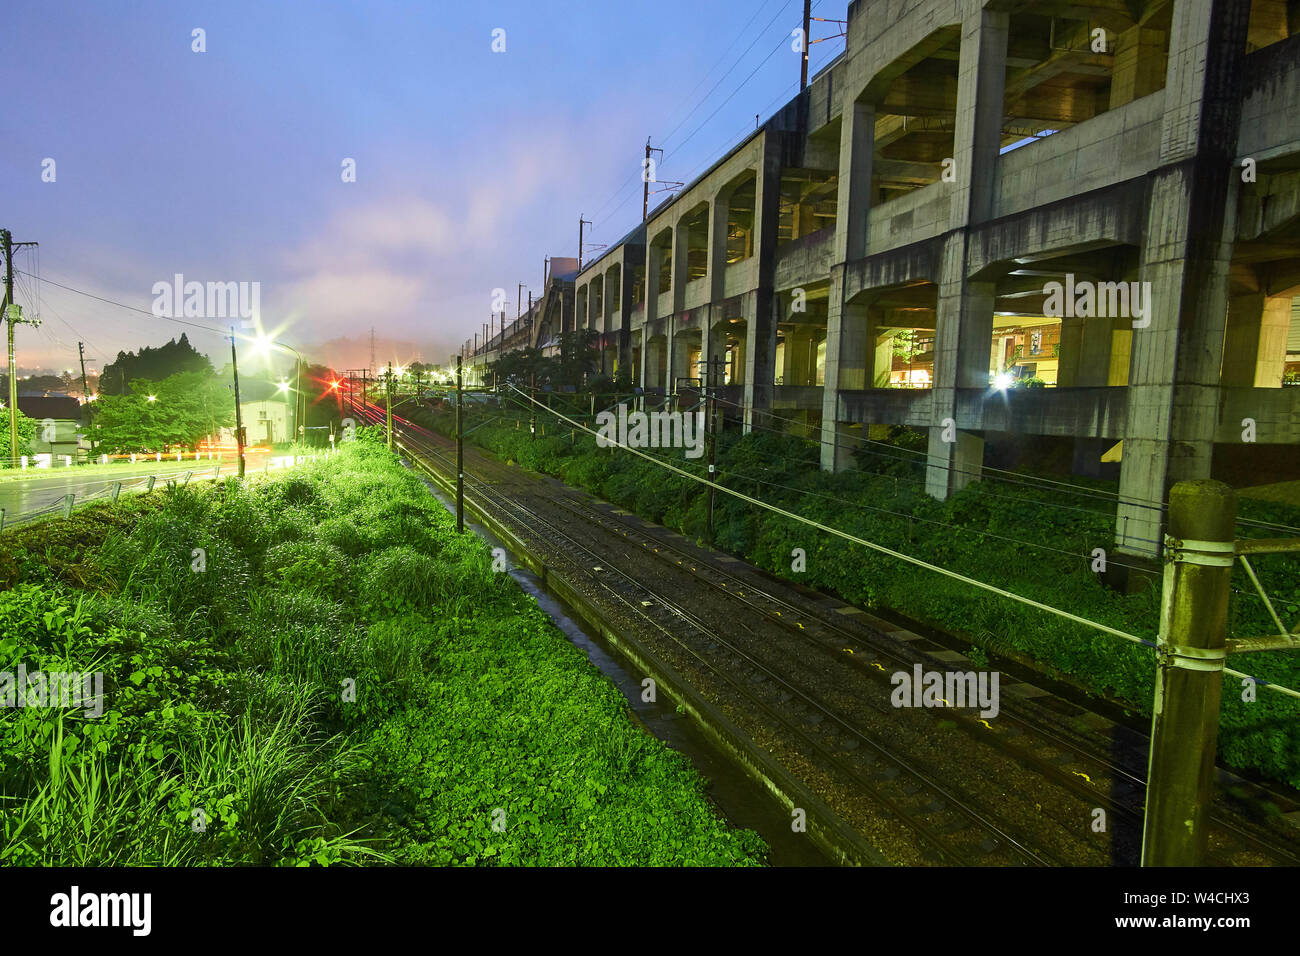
<point>898,555</point>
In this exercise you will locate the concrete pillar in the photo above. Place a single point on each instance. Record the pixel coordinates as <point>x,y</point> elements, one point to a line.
<point>977,132</point>
<point>954,459</point>
<point>1085,352</point>
<point>853,199</point>
<point>1173,396</point>
<point>798,358</point>
<point>1121,350</point>
<point>846,350</point>
<point>1139,65</point>
<point>760,343</point>
<point>963,331</point>
<point>719,210</point>
<point>654,261</point>
<point>681,264</point>
<point>1254,346</point>
<point>880,356</point>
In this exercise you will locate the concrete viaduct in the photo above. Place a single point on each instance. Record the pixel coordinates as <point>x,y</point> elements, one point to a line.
<point>882,250</point>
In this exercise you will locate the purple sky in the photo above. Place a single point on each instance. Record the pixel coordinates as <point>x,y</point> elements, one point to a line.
<point>471,165</point>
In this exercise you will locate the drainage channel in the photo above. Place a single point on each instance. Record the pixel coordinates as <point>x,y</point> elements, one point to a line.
<point>742,801</point>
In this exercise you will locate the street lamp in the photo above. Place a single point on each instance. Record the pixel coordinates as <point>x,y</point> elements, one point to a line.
<point>264,344</point>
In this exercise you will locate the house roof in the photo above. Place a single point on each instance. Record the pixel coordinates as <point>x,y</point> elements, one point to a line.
<point>56,407</point>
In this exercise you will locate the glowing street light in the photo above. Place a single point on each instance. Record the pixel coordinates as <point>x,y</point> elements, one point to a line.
<point>153,398</point>
<point>1003,381</point>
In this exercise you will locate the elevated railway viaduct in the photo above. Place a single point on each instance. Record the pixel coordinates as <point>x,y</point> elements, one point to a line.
<point>882,251</point>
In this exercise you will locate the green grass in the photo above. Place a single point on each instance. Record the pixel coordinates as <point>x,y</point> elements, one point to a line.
<point>345,681</point>
<point>990,531</point>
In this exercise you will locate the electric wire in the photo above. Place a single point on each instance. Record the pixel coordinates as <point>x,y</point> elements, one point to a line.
<point>909,559</point>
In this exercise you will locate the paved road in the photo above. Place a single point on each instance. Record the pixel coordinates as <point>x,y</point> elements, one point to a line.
<point>19,497</point>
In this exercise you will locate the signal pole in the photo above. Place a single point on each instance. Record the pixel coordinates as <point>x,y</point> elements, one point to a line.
<point>239,416</point>
<point>460,457</point>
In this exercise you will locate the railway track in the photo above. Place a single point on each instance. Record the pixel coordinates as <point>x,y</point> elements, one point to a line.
<point>949,825</point>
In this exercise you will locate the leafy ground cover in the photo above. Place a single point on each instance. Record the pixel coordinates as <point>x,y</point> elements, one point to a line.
<point>1035,541</point>
<point>313,668</point>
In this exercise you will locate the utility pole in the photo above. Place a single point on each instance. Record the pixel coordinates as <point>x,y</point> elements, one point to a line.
<point>12,315</point>
<point>388,396</point>
<point>85,393</point>
<point>1189,678</point>
<point>532,406</point>
<point>646,179</point>
<point>239,415</point>
<point>581,222</point>
<point>460,457</point>
<point>519,303</point>
<point>372,350</point>
<point>807,40</point>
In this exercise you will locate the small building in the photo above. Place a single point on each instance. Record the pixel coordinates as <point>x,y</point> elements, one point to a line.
<point>58,423</point>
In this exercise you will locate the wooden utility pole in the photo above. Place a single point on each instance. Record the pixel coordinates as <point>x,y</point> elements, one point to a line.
<point>85,393</point>
<point>460,456</point>
<point>12,315</point>
<point>1189,677</point>
<point>807,41</point>
<point>239,415</point>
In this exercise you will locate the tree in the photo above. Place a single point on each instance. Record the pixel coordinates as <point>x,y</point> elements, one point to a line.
<point>185,407</point>
<point>153,365</point>
<point>26,432</point>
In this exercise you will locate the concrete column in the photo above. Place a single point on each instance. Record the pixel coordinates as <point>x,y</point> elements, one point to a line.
<point>977,133</point>
<point>719,210</point>
<point>760,343</point>
<point>846,349</point>
<point>798,360</point>
<point>654,261</point>
<point>1121,352</point>
<point>880,356</point>
<point>1139,65</point>
<point>853,199</point>
<point>625,315</point>
<point>681,264</point>
<point>1085,352</point>
<point>1254,347</point>
<point>963,331</point>
<point>1173,396</point>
